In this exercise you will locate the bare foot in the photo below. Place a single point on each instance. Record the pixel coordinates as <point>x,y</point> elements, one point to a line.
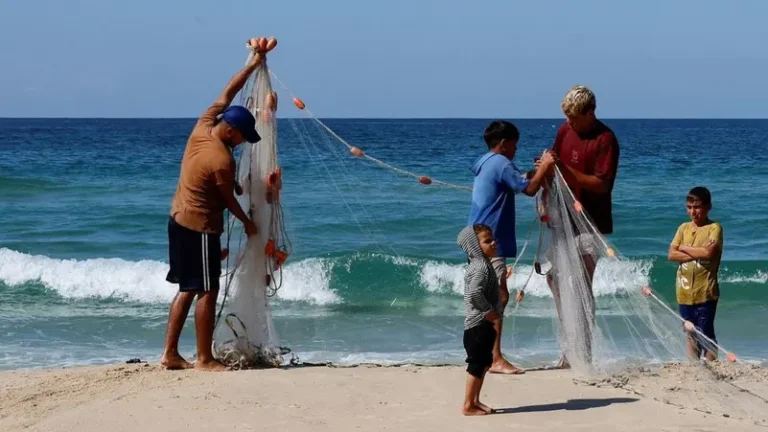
<point>504,367</point>
<point>211,366</point>
<point>174,362</point>
<point>472,410</point>
<point>484,407</point>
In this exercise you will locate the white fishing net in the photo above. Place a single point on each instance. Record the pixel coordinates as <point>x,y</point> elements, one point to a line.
<point>245,336</point>
<point>576,254</point>
<point>632,338</point>
<point>627,337</point>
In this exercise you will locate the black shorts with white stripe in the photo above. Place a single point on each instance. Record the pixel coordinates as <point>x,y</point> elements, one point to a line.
<point>195,259</point>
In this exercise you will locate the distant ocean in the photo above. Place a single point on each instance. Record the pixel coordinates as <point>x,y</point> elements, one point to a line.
<point>376,275</point>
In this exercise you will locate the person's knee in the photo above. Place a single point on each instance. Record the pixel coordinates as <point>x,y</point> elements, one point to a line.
<point>208,296</point>
<point>184,298</point>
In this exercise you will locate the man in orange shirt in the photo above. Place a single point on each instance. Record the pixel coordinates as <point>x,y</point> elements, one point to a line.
<point>205,189</point>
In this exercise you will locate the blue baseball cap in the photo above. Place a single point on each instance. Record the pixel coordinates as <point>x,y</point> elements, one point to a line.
<point>240,118</point>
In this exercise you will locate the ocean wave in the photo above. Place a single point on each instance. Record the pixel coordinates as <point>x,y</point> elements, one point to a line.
<point>611,278</point>
<point>315,281</point>
<point>758,277</point>
<point>142,281</point>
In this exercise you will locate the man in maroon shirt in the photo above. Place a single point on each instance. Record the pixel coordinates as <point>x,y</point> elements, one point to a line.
<point>588,155</point>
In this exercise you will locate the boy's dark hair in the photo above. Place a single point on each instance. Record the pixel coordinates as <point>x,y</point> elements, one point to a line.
<point>701,194</point>
<point>480,228</point>
<point>500,130</point>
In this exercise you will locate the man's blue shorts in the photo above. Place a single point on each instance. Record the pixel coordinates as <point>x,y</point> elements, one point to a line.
<point>703,318</point>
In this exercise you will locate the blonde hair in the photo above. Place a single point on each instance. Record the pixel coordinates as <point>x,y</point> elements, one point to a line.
<point>579,100</point>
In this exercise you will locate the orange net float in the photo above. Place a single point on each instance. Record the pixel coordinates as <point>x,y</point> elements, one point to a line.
<point>269,106</point>
<point>356,151</point>
<point>578,207</point>
<point>275,179</point>
<point>299,103</point>
<point>731,357</point>
<point>510,270</point>
<point>610,252</point>
<point>646,291</point>
<point>269,248</point>
<point>270,101</point>
<point>425,180</point>
<point>280,259</point>
<point>274,185</point>
<point>271,44</point>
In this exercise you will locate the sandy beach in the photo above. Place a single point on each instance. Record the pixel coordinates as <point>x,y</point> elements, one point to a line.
<point>143,397</point>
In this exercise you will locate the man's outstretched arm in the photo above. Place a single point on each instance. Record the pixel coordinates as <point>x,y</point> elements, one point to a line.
<point>540,175</point>
<point>238,81</point>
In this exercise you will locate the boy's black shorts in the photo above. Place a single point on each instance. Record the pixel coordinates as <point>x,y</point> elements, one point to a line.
<point>478,342</point>
<point>195,259</point>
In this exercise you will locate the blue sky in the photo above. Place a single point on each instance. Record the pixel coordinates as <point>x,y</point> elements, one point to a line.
<point>394,58</point>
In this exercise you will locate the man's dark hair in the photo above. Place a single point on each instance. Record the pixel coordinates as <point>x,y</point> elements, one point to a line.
<point>500,130</point>
<point>701,194</point>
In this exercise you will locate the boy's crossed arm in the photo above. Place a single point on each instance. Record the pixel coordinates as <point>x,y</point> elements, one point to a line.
<point>682,253</point>
<point>702,252</point>
<point>675,254</point>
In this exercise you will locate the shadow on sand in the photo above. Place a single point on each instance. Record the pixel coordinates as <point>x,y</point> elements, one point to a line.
<point>570,405</point>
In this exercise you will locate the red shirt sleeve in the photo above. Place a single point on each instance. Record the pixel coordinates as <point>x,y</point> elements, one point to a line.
<point>607,159</point>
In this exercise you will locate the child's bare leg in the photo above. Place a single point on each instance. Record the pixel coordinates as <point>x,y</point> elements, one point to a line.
<point>471,394</point>
<point>479,404</point>
<point>500,364</point>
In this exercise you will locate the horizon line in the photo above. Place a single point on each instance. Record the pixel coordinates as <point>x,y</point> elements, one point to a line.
<point>390,118</point>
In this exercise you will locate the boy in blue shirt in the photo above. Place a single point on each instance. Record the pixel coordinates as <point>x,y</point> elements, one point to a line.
<point>497,181</point>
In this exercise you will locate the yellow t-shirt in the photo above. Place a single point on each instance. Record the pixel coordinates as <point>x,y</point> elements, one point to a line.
<point>696,280</point>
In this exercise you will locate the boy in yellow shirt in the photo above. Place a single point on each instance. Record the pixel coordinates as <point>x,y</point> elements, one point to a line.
<point>698,247</point>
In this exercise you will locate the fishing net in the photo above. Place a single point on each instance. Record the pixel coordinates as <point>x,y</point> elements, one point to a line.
<point>245,336</point>
<point>573,257</point>
<point>626,337</point>
<point>630,339</point>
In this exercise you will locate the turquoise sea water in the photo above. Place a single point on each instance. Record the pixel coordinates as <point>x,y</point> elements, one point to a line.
<point>376,275</point>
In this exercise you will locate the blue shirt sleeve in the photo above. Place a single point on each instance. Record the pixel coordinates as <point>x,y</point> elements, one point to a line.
<point>513,178</point>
